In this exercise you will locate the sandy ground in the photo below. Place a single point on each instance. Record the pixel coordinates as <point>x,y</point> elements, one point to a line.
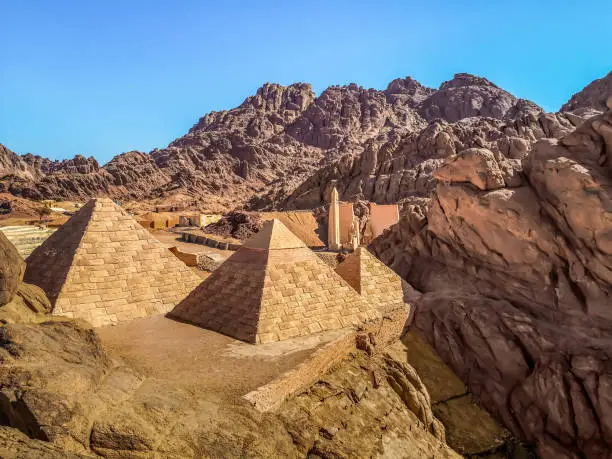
<point>202,360</point>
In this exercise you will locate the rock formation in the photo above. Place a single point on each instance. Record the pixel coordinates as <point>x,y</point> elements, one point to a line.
<point>515,264</point>
<point>19,302</point>
<point>12,269</point>
<point>59,385</point>
<point>379,145</point>
<point>392,168</point>
<point>593,96</point>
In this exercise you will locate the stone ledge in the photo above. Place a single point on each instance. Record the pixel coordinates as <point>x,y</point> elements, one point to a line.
<point>208,241</point>
<point>381,333</point>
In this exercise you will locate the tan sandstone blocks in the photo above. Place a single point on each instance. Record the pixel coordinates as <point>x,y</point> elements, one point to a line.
<point>104,267</point>
<point>376,283</point>
<point>274,288</point>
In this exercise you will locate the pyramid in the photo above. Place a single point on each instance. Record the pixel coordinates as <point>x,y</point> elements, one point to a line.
<point>373,280</point>
<point>102,266</point>
<point>273,288</point>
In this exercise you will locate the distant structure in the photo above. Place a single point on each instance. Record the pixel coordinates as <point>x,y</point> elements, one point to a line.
<point>271,289</point>
<point>344,227</point>
<point>102,266</point>
<point>333,231</point>
<point>349,227</point>
<point>198,219</point>
<point>381,218</point>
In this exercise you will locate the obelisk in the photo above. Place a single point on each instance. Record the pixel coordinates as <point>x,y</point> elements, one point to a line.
<point>333,229</point>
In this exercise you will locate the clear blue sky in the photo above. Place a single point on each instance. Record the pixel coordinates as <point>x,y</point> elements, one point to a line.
<point>102,77</point>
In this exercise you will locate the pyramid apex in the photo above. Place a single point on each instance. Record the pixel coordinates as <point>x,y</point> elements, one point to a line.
<point>274,236</point>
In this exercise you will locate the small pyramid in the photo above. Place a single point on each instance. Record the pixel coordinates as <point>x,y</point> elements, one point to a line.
<point>102,266</point>
<point>373,280</point>
<point>273,288</point>
<point>274,236</point>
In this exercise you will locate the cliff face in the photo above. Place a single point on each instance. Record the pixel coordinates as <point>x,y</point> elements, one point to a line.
<point>398,164</point>
<point>282,146</point>
<point>594,95</point>
<point>515,266</point>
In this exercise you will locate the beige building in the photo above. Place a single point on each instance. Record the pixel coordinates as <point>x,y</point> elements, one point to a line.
<point>381,218</point>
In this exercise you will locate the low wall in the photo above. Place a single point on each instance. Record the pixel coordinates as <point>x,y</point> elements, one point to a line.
<point>384,331</point>
<point>208,241</point>
<point>190,259</point>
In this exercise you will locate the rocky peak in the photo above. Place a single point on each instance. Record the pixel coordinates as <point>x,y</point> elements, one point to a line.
<point>466,96</point>
<point>407,91</point>
<point>340,114</point>
<point>272,97</point>
<point>19,166</point>
<point>77,165</point>
<point>466,79</point>
<point>594,95</point>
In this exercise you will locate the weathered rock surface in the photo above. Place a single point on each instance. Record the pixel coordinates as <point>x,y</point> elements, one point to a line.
<point>393,168</point>
<point>19,302</point>
<point>12,269</point>
<point>466,96</point>
<point>16,445</point>
<point>593,96</point>
<point>58,384</point>
<point>380,145</point>
<point>517,283</point>
<point>239,225</point>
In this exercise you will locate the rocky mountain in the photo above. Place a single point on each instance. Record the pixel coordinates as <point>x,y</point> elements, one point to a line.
<point>594,95</point>
<point>282,144</point>
<point>516,276</point>
<point>466,112</point>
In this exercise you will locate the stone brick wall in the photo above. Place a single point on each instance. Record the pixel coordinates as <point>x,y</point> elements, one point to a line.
<point>375,281</point>
<point>261,296</point>
<point>383,331</point>
<point>274,288</point>
<point>102,266</point>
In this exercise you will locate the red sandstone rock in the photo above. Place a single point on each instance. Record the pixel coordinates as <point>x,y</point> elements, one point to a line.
<point>376,144</point>
<point>517,285</point>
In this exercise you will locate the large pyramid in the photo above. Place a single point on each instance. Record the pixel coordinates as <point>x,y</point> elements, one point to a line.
<point>273,288</point>
<point>102,266</point>
<point>373,280</point>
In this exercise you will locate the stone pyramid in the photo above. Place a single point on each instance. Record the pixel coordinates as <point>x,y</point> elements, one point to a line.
<point>273,288</point>
<point>102,266</point>
<point>373,280</point>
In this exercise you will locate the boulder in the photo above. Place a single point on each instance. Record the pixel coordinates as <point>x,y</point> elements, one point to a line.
<point>62,388</point>
<point>12,269</point>
<point>34,297</point>
<point>517,285</point>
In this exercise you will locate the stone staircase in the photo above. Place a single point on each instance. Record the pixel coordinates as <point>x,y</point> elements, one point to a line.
<point>26,238</point>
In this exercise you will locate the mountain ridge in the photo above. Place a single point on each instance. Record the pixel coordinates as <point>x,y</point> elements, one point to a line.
<point>278,137</point>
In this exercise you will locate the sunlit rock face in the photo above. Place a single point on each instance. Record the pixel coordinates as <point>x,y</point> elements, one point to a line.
<point>515,265</point>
